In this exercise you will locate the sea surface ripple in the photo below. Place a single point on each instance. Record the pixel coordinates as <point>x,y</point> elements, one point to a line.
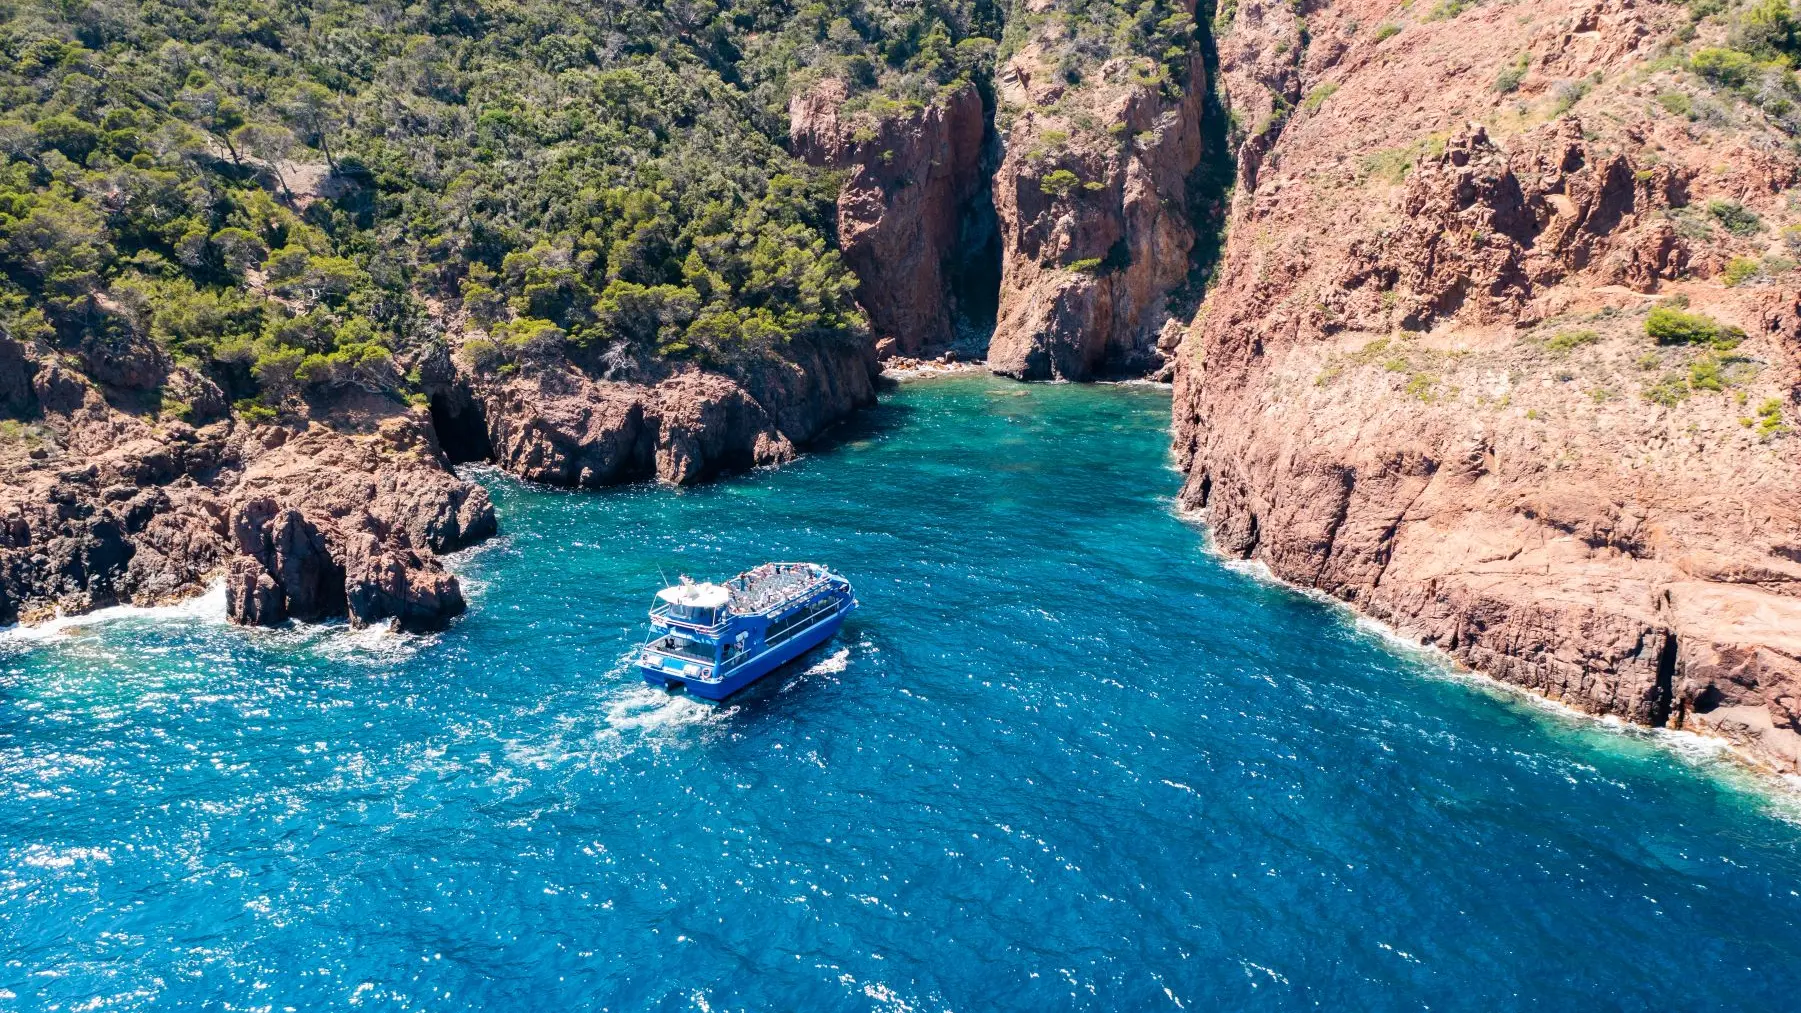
<point>1060,759</point>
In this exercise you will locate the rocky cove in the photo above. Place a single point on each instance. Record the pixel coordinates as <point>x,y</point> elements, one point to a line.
<point>1416,382</point>
<point>1011,745</point>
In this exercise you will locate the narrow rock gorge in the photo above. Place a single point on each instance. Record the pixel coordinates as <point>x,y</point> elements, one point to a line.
<point>915,218</point>
<point>1504,348</point>
<point>1055,223</point>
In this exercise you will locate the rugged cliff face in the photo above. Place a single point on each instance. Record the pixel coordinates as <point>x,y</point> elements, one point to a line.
<point>556,422</point>
<point>1095,217</point>
<point>1504,350</point>
<point>343,512</point>
<point>913,214</point>
<point>105,503</point>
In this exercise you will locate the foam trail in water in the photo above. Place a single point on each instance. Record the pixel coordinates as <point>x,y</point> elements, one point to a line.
<point>644,715</point>
<point>206,607</point>
<point>837,662</point>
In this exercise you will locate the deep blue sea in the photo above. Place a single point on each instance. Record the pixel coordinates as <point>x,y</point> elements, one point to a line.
<point>1062,758</point>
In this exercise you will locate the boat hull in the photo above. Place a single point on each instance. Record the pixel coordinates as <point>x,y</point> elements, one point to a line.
<point>755,668</point>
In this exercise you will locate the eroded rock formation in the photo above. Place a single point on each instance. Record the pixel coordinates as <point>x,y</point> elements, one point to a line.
<point>343,507</point>
<point>1424,382</point>
<point>340,516</point>
<point>556,423</point>
<point>1095,220</point>
<point>910,217</point>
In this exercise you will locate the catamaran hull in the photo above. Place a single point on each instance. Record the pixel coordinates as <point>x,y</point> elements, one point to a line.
<point>754,669</point>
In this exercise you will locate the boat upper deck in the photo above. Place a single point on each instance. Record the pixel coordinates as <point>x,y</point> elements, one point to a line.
<point>770,585</point>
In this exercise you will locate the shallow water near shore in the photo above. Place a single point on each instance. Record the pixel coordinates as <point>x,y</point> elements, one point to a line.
<point>1060,759</point>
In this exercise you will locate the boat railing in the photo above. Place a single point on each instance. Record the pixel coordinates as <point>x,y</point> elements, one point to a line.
<point>661,612</point>
<point>787,599</point>
<point>675,652</point>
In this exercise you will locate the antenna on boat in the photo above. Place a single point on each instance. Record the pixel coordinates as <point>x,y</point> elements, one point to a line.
<point>664,577</point>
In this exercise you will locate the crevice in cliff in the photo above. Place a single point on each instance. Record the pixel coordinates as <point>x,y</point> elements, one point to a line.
<point>461,426</point>
<point>1664,694</point>
<point>975,271</point>
<point>1211,183</point>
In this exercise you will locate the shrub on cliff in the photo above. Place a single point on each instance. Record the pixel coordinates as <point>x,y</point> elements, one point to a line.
<point>1769,419</point>
<point>482,355</point>
<point>1735,217</point>
<point>1668,325</point>
<point>1059,182</point>
<point>1740,270</point>
<point>1722,66</point>
<point>1508,80</point>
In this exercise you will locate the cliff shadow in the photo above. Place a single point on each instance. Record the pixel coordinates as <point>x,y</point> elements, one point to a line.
<point>461,425</point>
<point>864,424</point>
<point>1209,187</point>
<point>973,273</point>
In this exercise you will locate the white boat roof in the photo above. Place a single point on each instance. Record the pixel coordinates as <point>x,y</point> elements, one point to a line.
<point>705,596</point>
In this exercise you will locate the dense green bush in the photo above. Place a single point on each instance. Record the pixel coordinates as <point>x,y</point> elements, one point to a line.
<point>1758,61</point>
<point>1671,326</point>
<point>1735,217</point>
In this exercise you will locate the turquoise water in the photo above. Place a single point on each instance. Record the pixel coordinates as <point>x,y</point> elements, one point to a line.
<point>1061,759</point>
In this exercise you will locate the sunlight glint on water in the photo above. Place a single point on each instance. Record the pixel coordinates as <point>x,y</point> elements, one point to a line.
<point>1061,758</point>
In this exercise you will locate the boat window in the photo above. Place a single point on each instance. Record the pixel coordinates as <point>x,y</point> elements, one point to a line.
<point>685,647</point>
<point>694,614</point>
<point>801,618</point>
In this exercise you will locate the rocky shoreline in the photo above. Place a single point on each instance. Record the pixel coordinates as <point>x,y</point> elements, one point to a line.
<point>342,507</point>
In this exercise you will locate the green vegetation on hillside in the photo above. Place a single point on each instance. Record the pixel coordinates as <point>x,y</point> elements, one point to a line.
<point>1757,63</point>
<point>293,194</point>
<point>1669,325</point>
<point>1077,36</point>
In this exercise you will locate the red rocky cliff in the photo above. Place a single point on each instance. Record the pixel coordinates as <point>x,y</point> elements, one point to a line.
<point>557,423</point>
<point>342,514</point>
<point>1425,382</point>
<point>902,210</point>
<point>1094,215</point>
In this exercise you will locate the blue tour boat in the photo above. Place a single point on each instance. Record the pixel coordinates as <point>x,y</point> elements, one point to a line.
<point>715,639</point>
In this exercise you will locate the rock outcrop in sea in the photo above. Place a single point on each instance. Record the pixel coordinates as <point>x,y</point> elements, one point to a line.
<point>340,514</point>
<point>1429,381</point>
<point>556,422</point>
